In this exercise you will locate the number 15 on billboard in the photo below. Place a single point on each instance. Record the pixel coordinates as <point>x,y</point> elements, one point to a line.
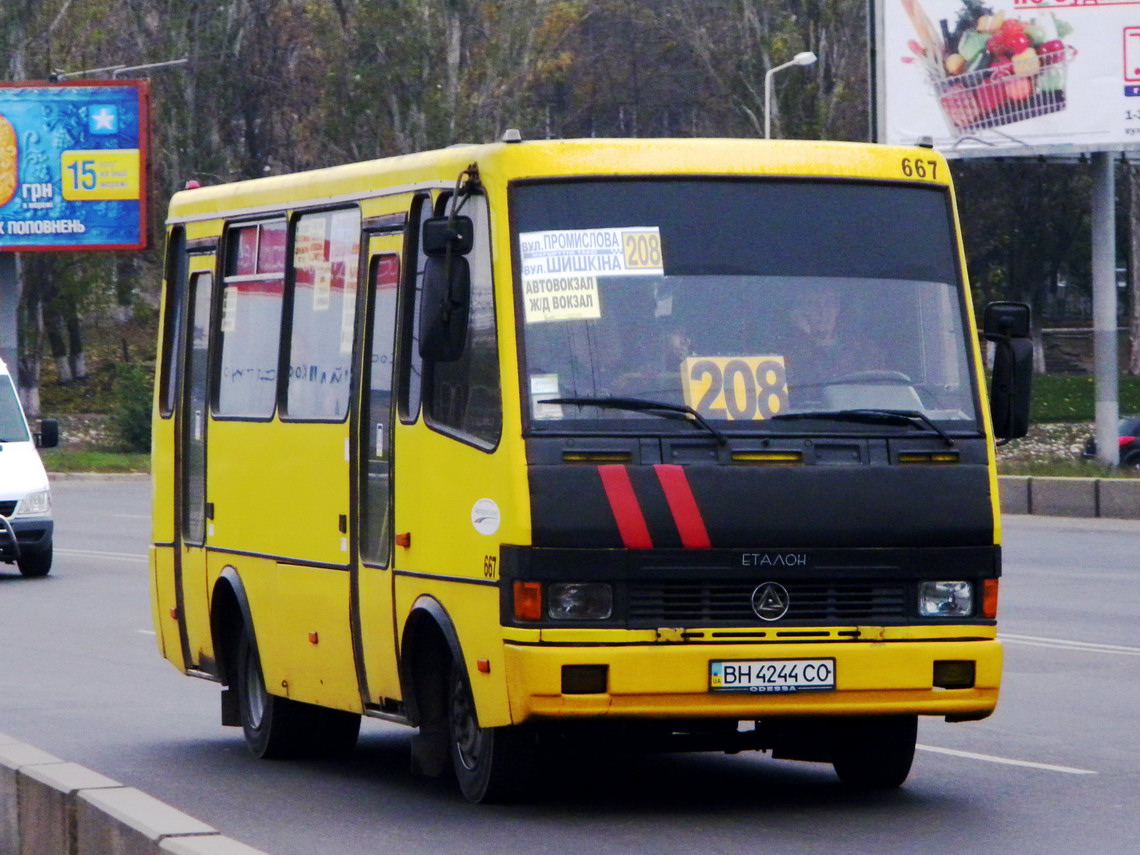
<point>99,175</point>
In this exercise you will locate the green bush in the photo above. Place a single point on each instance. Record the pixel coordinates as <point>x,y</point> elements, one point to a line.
<point>130,415</point>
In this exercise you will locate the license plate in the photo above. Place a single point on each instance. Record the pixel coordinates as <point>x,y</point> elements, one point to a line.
<point>763,676</point>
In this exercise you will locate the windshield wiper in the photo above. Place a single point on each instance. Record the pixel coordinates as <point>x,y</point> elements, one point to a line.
<point>873,416</point>
<point>642,405</point>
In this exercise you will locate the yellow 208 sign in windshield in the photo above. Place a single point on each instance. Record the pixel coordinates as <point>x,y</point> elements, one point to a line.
<point>735,387</point>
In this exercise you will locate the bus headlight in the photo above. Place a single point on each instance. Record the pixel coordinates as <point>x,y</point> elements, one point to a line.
<point>35,504</point>
<point>945,599</point>
<point>579,601</point>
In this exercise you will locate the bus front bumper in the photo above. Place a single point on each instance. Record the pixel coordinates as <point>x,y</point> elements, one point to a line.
<point>673,680</point>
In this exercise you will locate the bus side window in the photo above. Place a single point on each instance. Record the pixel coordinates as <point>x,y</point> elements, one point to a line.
<point>170,365</point>
<point>326,251</point>
<point>410,362</point>
<point>464,396</point>
<point>249,323</point>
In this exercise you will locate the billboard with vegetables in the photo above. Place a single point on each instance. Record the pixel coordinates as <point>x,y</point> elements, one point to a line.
<point>985,77</point>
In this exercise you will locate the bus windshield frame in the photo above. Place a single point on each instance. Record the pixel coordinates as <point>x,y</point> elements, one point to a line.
<point>744,299</point>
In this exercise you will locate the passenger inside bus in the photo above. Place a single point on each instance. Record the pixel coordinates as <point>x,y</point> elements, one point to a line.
<point>827,337</point>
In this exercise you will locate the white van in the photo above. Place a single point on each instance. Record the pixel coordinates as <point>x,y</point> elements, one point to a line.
<point>26,525</point>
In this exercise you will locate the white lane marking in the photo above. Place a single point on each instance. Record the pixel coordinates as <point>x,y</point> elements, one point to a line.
<point>1068,644</point>
<point>1006,761</point>
<point>145,632</point>
<point>91,553</point>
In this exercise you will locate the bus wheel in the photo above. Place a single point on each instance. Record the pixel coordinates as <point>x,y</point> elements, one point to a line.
<point>492,764</point>
<point>874,753</point>
<point>272,726</point>
<point>34,564</point>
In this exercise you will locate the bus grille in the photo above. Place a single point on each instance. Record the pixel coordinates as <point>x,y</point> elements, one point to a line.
<point>730,603</point>
<point>7,508</point>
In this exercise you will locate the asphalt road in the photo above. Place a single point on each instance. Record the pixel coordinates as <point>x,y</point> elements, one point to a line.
<point>1056,770</point>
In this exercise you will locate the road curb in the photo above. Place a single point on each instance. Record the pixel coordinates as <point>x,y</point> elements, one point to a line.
<point>1107,498</point>
<point>49,806</point>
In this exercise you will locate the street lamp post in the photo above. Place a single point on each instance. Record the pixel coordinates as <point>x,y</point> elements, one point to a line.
<point>805,58</point>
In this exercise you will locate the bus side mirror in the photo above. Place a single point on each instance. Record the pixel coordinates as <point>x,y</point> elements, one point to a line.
<point>441,234</point>
<point>444,306</point>
<point>1007,324</point>
<point>446,297</point>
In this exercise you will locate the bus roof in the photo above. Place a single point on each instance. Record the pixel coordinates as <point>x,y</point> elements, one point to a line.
<point>506,161</point>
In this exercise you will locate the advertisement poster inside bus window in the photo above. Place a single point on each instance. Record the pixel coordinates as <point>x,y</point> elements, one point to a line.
<point>983,77</point>
<point>73,166</point>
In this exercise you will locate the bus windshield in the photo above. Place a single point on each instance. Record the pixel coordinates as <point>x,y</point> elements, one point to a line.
<point>12,426</point>
<point>742,300</point>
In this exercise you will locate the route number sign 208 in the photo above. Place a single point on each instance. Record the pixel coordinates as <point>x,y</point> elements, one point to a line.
<point>735,387</point>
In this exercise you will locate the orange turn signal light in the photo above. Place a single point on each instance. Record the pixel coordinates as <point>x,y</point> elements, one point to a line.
<point>528,601</point>
<point>989,598</point>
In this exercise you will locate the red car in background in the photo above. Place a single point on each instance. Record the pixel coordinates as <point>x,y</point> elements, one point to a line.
<point>1129,443</point>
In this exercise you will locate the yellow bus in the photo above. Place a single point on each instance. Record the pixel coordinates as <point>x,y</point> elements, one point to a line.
<point>678,443</point>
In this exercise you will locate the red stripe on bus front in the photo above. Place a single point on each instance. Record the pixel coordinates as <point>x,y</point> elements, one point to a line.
<point>627,510</point>
<point>686,512</point>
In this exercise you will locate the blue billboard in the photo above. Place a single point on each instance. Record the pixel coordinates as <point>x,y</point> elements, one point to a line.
<point>73,165</point>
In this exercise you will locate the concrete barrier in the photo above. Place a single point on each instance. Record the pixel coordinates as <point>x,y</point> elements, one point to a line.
<point>1115,498</point>
<point>1120,498</point>
<point>126,821</point>
<point>1014,493</point>
<point>46,805</point>
<point>1063,497</point>
<point>52,807</point>
<point>15,756</point>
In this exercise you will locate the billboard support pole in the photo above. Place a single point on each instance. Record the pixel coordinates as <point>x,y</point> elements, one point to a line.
<point>1104,306</point>
<point>9,306</point>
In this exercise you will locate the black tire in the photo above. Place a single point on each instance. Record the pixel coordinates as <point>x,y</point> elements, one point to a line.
<point>35,564</point>
<point>1132,461</point>
<point>277,728</point>
<point>874,753</point>
<point>271,725</point>
<point>492,764</point>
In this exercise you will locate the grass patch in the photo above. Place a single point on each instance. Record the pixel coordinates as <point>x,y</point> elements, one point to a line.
<point>1071,397</point>
<point>1063,469</point>
<point>91,460</point>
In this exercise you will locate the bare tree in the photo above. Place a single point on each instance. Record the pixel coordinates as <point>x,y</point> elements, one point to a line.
<point>737,41</point>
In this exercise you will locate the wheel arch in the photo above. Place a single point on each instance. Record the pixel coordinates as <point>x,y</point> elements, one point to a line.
<point>428,642</point>
<point>229,613</point>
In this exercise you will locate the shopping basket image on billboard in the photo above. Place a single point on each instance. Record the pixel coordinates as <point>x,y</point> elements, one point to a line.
<point>1003,94</point>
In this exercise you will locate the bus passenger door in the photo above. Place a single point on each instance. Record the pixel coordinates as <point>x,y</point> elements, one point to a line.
<point>373,606</point>
<point>191,507</point>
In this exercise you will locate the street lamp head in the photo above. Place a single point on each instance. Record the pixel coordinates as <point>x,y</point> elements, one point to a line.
<point>804,58</point>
